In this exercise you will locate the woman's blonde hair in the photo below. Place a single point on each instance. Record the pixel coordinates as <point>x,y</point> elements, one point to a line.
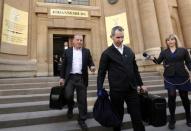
<point>175,37</point>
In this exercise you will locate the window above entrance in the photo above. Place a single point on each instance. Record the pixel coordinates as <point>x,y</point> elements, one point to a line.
<point>74,2</point>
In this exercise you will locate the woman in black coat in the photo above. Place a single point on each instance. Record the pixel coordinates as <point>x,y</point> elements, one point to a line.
<point>176,77</point>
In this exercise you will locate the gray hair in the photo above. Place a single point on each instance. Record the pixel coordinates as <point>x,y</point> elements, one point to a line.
<point>77,34</point>
<point>116,28</point>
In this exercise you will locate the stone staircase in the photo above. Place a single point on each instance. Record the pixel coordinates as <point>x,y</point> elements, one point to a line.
<point>25,102</point>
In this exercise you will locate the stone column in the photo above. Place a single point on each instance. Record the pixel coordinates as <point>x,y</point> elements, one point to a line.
<point>164,20</point>
<point>184,10</point>
<point>93,2</point>
<point>135,32</point>
<point>42,47</point>
<point>33,28</point>
<point>151,37</point>
<point>1,16</point>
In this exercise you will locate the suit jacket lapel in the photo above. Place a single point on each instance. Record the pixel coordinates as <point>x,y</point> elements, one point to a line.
<point>117,56</point>
<point>83,57</point>
<point>127,56</point>
<point>125,52</point>
<point>115,50</point>
<point>70,57</point>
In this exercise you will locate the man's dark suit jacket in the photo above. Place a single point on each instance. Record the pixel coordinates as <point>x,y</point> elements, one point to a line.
<point>174,64</point>
<point>67,64</point>
<point>122,70</point>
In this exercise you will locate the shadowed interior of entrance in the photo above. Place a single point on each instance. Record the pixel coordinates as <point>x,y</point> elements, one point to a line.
<point>60,43</point>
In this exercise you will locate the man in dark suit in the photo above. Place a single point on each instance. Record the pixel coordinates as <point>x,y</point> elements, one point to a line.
<point>74,76</point>
<point>124,78</point>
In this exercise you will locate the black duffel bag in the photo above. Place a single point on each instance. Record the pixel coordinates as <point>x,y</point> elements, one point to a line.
<point>57,99</point>
<point>153,109</point>
<point>102,111</point>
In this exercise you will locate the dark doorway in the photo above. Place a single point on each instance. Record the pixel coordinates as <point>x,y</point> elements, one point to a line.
<point>60,43</point>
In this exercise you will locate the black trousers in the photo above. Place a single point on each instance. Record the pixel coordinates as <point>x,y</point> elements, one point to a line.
<point>132,100</point>
<point>76,83</point>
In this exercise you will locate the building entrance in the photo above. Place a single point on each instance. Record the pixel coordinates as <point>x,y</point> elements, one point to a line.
<point>60,44</point>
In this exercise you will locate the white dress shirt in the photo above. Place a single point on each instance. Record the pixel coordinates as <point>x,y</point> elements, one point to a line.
<point>77,61</point>
<point>120,49</point>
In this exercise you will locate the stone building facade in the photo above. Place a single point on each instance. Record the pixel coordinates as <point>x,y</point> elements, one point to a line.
<point>34,31</point>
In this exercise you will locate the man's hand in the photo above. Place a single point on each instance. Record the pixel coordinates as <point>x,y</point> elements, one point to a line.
<point>142,89</point>
<point>101,92</point>
<point>92,68</point>
<point>61,82</point>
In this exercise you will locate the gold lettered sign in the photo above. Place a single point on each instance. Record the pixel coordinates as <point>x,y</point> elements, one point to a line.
<point>73,13</point>
<point>117,20</point>
<point>15,26</point>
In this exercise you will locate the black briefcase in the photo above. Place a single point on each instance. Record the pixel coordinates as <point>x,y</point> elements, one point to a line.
<point>57,100</point>
<point>153,109</point>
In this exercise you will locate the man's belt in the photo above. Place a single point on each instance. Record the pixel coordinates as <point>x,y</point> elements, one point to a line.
<point>76,74</point>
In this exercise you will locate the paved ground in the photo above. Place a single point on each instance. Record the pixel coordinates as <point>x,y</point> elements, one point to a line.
<point>180,126</point>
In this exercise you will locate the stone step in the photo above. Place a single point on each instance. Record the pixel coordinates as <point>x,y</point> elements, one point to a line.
<point>179,126</point>
<point>92,84</point>
<point>145,74</point>
<point>31,98</point>
<point>30,91</point>
<point>53,116</point>
<point>27,85</point>
<point>25,95</point>
<point>25,101</point>
<point>146,78</point>
<point>44,106</point>
<point>153,82</point>
<point>28,80</point>
<point>56,79</point>
<point>24,107</point>
<point>72,125</point>
<point>35,85</point>
<point>36,79</point>
<point>23,98</point>
<point>27,91</point>
<point>20,90</point>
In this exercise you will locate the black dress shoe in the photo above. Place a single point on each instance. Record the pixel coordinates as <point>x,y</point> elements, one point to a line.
<point>83,125</point>
<point>70,113</point>
<point>171,125</point>
<point>172,122</point>
<point>188,119</point>
<point>118,128</point>
<point>188,124</point>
